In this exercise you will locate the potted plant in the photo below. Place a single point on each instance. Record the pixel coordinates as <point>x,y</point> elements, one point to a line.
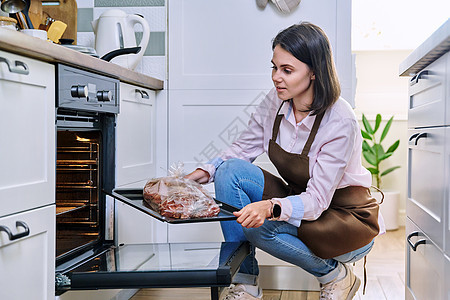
<point>374,153</point>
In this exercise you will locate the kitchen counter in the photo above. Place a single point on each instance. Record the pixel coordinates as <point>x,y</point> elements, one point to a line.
<point>435,46</point>
<point>19,43</point>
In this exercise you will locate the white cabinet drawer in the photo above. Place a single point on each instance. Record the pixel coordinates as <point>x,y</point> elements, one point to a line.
<point>426,183</point>
<point>426,105</point>
<point>135,135</point>
<point>27,263</point>
<point>424,264</point>
<point>27,134</point>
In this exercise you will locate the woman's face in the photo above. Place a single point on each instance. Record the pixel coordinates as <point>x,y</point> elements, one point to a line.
<point>291,77</point>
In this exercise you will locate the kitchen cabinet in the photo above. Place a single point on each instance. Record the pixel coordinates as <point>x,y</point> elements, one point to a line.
<point>425,264</point>
<point>233,51</point>
<point>136,162</point>
<point>428,205</point>
<point>426,158</point>
<point>27,264</point>
<point>27,133</point>
<point>27,178</point>
<point>135,135</point>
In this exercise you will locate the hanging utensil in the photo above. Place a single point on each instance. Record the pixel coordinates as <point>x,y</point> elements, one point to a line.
<point>25,13</point>
<point>13,6</point>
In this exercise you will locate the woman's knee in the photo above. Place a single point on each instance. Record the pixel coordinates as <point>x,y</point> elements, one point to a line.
<point>227,169</point>
<point>261,235</point>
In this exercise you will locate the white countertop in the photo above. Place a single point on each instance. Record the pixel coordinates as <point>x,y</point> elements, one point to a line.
<point>430,50</point>
<point>19,43</point>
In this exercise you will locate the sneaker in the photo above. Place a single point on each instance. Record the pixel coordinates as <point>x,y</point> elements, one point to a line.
<point>238,292</point>
<point>341,289</point>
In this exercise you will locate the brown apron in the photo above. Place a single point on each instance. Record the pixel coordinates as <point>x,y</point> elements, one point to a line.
<point>350,222</point>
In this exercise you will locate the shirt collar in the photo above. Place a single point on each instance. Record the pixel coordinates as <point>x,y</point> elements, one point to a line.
<point>308,122</point>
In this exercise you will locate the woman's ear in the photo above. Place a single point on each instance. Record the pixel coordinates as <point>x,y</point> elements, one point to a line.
<point>313,77</point>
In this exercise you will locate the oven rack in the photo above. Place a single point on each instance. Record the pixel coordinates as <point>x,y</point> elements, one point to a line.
<point>76,162</point>
<point>65,208</point>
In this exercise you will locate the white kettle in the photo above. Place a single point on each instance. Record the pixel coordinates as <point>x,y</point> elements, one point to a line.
<point>115,38</point>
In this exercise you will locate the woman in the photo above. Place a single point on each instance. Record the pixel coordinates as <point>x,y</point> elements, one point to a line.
<point>324,217</point>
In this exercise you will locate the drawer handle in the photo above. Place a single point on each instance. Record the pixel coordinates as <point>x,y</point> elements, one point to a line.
<point>416,244</point>
<point>419,136</point>
<point>416,78</point>
<point>20,67</point>
<point>12,236</point>
<point>413,137</point>
<point>144,94</point>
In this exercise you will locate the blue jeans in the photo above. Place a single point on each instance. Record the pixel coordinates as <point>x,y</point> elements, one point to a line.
<point>239,183</point>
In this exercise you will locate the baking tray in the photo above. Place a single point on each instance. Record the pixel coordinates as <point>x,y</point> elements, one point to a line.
<point>135,198</point>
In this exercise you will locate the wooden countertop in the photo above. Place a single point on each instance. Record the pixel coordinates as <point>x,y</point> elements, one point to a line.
<point>19,43</point>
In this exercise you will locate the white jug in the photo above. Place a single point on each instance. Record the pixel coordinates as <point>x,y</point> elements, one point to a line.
<point>114,31</point>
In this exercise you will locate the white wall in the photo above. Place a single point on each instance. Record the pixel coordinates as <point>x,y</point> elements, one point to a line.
<point>379,89</point>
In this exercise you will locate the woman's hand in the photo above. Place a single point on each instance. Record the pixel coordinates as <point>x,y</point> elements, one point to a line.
<point>199,175</point>
<point>254,214</point>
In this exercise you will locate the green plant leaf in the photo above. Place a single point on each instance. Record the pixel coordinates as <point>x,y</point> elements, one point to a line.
<point>365,135</point>
<point>366,124</point>
<point>367,147</point>
<point>370,158</point>
<point>393,147</point>
<point>386,129</point>
<point>379,151</point>
<point>377,123</point>
<point>373,171</point>
<point>389,170</point>
<point>386,155</point>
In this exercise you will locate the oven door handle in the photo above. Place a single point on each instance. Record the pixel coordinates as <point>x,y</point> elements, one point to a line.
<point>12,236</point>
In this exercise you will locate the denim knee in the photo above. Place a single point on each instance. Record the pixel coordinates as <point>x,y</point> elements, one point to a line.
<point>261,235</point>
<point>226,169</point>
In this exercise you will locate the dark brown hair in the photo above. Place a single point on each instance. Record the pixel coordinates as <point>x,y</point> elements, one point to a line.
<point>309,44</point>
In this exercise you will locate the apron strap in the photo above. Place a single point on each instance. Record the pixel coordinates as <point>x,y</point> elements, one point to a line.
<point>312,135</point>
<point>276,124</point>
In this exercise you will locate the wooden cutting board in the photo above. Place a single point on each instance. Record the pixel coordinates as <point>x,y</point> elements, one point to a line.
<point>64,11</point>
<point>35,13</point>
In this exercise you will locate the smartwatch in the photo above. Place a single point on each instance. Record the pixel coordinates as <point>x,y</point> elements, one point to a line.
<point>276,211</point>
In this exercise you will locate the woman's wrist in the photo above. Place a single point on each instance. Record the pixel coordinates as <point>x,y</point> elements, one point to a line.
<point>275,210</point>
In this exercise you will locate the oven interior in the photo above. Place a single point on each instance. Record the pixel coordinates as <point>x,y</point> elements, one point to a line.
<point>78,185</point>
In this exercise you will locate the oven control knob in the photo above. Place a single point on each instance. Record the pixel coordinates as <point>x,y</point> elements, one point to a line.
<point>104,96</point>
<point>80,91</point>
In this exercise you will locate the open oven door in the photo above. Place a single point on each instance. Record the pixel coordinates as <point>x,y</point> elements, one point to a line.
<point>153,265</point>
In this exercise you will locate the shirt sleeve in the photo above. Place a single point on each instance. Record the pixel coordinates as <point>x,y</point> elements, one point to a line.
<point>292,209</point>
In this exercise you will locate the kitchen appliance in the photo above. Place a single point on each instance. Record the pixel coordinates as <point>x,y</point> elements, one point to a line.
<point>87,255</point>
<point>114,30</point>
<point>86,108</point>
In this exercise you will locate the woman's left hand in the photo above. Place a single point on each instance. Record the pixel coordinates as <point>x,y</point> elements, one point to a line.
<point>254,214</point>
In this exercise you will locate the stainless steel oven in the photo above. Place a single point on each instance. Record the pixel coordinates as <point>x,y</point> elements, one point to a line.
<point>87,256</point>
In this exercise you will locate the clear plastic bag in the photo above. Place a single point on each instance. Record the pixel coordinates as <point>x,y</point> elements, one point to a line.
<point>177,197</point>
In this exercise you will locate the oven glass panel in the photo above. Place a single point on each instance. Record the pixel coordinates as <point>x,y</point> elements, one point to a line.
<point>77,189</point>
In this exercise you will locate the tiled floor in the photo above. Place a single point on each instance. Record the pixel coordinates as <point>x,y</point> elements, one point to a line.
<point>385,277</point>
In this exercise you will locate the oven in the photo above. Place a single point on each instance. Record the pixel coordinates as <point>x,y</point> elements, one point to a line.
<point>87,104</point>
<point>87,255</point>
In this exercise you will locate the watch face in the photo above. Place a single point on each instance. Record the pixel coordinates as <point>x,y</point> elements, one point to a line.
<point>276,211</point>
